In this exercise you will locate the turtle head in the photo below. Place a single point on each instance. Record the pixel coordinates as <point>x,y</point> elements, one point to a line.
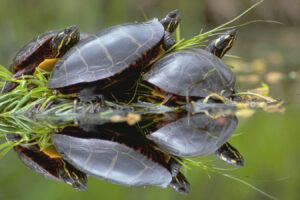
<point>171,21</point>
<point>65,39</point>
<point>230,155</point>
<point>180,184</point>
<point>222,44</point>
<point>72,176</point>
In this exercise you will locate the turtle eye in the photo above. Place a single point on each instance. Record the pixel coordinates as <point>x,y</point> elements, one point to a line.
<point>67,31</point>
<point>71,29</point>
<point>75,185</point>
<point>173,15</point>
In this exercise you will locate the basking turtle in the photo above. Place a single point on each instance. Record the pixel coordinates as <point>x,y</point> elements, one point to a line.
<point>118,153</point>
<point>52,44</point>
<point>112,55</point>
<point>194,72</point>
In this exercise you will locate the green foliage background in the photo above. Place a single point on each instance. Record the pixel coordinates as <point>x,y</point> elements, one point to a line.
<point>269,143</point>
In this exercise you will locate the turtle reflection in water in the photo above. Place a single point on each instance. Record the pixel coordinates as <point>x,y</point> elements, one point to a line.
<point>119,153</point>
<point>196,135</point>
<point>49,166</point>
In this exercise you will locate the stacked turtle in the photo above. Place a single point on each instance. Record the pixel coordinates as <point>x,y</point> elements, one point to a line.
<point>116,54</point>
<point>43,48</point>
<point>112,60</point>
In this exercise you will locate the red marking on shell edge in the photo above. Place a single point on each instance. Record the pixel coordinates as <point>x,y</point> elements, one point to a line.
<point>165,123</point>
<point>174,98</point>
<point>222,121</point>
<point>75,131</point>
<point>134,64</point>
<point>139,149</point>
<point>150,157</point>
<point>73,88</point>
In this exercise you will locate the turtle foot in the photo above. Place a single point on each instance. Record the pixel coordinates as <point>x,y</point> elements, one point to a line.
<point>90,94</point>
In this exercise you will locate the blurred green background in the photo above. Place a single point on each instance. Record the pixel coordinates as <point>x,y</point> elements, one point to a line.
<point>270,142</point>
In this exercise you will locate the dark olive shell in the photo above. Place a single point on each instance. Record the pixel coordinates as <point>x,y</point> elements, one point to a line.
<point>26,54</point>
<point>37,45</point>
<point>111,161</point>
<point>107,53</point>
<point>195,135</point>
<point>191,72</point>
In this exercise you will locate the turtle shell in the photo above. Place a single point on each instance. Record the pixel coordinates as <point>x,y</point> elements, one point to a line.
<point>111,161</point>
<point>192,72</point>
<point>108,53</point>
<point>30,51</point>
<point>37,49</point>
<point>195,135</point>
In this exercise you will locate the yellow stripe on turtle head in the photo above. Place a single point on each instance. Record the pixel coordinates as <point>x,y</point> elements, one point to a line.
<point>223,157</point>
<point>217,41</point>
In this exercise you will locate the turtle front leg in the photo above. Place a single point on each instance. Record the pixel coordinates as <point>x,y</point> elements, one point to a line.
<point>91,94</point>
<point>168,41</point>
<point>10,85</point>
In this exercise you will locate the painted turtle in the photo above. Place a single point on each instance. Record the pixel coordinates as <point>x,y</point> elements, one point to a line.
<point>54,168</point>
<point>111,55</point>
<point>195,72</point>
<point>118,153</point>
<point>52,44</point>
<point>197,135</point>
